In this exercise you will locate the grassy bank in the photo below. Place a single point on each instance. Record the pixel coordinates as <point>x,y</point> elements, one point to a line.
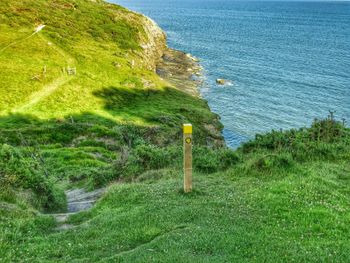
<point>285,198</point>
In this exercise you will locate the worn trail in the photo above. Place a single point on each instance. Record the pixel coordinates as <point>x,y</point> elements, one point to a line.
<point>43,93</point>
<point>78,200</point>
<point>37,30</point>
<point>50,88</point>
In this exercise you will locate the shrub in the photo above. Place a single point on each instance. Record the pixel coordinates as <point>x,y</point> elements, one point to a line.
<point>320,141</point>
<point>205,160</point>
<point>228,158</point>
<point>18,172</point>
<point>147,157</point>
<point>100,179</point>
<point>208,160</point>
<point>269,162</point>
<point>151,157</point>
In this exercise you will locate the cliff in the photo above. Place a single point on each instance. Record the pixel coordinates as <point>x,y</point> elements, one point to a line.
<point>153,44</point>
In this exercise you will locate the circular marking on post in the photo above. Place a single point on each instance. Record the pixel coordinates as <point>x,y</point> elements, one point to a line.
<point>188,140</point>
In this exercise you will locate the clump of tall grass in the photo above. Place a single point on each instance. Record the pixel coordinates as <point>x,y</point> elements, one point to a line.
<point>20,173</point>
<point>146,157</point>
<point>326,139</point>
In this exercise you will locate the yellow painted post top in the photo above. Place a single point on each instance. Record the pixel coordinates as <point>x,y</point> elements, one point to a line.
<point>187,128</point>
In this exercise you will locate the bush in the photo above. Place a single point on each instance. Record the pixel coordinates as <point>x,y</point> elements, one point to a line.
<point>205,160</point>
<point>267,163</point>
<point>321,141</point>
<point>208,160</point>
<point>150,157</point>
<point>146,157</point>
<point>18,172</point>
<point>228,158</point>
<point>99,179</point>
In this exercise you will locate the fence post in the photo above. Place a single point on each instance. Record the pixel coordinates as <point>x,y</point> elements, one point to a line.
<point>187,141</point>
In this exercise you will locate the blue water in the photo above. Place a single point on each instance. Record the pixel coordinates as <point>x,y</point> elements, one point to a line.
<point>289,61</point>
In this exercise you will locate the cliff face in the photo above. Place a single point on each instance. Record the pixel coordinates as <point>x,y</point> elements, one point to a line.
<point>179,69</point>
<point>153,44</point>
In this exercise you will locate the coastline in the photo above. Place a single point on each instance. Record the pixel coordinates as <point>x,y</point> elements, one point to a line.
<point>178,68</point>
<point>181,70</point>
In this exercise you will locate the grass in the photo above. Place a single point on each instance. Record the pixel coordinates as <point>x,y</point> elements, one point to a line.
<point>271,203</point>
<point>72,128</point>
<point>295,217</point>
<point>281,197</point>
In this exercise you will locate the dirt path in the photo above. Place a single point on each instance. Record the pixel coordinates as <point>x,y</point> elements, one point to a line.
<point>43,93</point>
<point>78,200</point>
<point>48,89</point>
<point>37,30</point>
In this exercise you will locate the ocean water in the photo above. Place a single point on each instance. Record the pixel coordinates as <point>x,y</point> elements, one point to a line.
<point>289,62</point>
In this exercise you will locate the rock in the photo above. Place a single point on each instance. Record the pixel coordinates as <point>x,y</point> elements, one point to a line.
<point>74,207</point>
<point>179,70</point>
<point>220,81</point>
<point>116,65</point>
<point>223,82</point>
<point>153,43</point>
<point>194,59</point>
<point>77,200</point>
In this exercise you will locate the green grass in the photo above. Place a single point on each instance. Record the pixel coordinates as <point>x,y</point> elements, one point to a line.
<point>72,128</point>
<point>228,218</point>
<point>270,203</point>
<point>91,36</point>
<point>282,197</point>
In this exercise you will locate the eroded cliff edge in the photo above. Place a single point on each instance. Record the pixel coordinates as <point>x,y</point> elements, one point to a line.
<point>179,69</point>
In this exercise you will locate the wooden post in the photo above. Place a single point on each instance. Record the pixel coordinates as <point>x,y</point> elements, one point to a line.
<point>187,140</point>
<point>44,72</point>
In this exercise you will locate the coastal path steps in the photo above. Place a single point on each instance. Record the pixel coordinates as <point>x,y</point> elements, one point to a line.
<point>77,200</point>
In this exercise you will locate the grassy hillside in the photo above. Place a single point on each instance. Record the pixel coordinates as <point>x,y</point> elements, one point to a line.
<point>69,130</point>
<point>282,197</point>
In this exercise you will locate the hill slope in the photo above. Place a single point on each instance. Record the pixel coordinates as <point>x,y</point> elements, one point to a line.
<point>282,197</point>
<point>72,127</point>
<point>99,39</point>
<point>285,198</point>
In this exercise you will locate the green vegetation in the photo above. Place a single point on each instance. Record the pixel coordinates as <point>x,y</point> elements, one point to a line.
<point>284,198</point>
<point>281,197</point>
<point>69,130</point>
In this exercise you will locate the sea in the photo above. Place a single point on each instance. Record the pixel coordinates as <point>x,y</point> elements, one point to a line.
<point>287,63</point>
